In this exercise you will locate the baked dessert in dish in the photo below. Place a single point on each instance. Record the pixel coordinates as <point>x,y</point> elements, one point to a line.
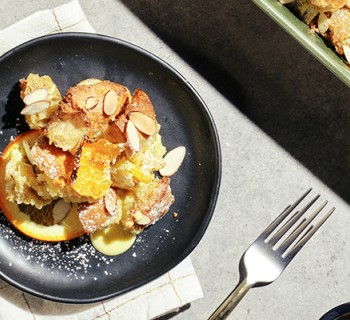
<point>328,18</point>
<point>92,161</point>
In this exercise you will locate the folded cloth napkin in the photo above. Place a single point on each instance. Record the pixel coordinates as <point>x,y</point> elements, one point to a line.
<point>164,295</point>
<point>66,18</point>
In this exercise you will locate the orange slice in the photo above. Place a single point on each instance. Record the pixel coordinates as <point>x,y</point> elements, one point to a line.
<point>92,176</point>
<point>69,228</point>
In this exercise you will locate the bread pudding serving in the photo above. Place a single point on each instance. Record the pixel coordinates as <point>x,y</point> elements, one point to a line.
<point>328,18</point>
<point>92,163</point>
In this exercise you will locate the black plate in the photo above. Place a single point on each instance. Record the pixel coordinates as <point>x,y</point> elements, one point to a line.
<point>73,271</point>
<point>341,312</point>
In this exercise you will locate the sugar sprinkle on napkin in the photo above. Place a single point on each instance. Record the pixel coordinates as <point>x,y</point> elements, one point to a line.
<point>162,296</point>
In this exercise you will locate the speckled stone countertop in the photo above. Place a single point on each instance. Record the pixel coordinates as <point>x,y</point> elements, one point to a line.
<point>284,125</point>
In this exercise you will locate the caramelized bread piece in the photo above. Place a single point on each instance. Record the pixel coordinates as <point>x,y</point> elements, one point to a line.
<point>32,83</point>
<point>305,10</point>
<point>67,130</point>
<point>140,102</point>
<point>140,105</point>
<point>152,202</point>
<point>339,29</point>
<point>52,161</point>
<point>101,102</point>
<point>97,215</point>
<point>114,134</point>
<point>328,5</point>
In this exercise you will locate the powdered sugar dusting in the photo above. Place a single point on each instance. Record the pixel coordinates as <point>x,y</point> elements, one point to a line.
<point>74,258</point>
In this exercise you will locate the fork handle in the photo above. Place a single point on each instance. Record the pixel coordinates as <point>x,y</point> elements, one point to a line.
<point>232,300</point>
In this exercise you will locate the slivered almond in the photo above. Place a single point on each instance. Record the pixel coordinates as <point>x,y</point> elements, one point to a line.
<point>36,107</point>
<point>88,82</point>
<point>110,103</point>
<point>132,136</point>
<point>173,160</point>
<point>37,95</point>
<point>322,23</point>
<point>143,123</point>
<point>60,210</point>
<point>110,201</point>
<point>346,50</point>
<point>141,219</point>
<point>91,103</point>
<point>26,148</point>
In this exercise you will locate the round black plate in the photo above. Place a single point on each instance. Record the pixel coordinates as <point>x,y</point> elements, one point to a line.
<point>73,271</point>
<point>341,312</point>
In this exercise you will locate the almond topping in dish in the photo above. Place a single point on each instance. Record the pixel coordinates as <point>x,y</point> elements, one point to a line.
<point>141,219</point>
<point>132,136</point>
<point>143,123</point>
<point>37,95</point>
<point>110,201</point>
<point>89,81</point>
<point>323,23</point>
<point>173,160</point>
<point>110,103</point>
<point>26,148</point>
<point>60,210</point>
<point>346,50</point>
<point>36,107</point>
<point>91,103</point>
<point>286,1</point>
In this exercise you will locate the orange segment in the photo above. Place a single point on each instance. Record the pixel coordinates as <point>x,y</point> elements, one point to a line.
<point>92,178</point>
<point>69,228</point>
<point>140,174</point>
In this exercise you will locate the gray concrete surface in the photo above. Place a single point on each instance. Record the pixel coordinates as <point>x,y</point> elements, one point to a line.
<point>284,125</point>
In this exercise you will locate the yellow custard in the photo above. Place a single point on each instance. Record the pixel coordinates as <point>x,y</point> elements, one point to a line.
<point>112,240</point>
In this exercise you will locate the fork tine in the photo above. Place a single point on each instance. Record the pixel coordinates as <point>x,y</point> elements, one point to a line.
<point>282,231</point>
<point>297,232</point>
<point>306,237</point>
<point>282,216</point>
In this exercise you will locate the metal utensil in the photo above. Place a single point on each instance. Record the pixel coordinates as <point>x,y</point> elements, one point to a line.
<point>272,251</point>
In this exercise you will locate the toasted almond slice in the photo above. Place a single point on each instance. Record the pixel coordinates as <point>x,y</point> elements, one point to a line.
<point>110,201</point>
<point>322,23</point>
<point>132,136</point>
<point>141,219</point>
<point>37,95</point>
<point>26,148</point>
<point>89,81</point>
<point>110,102</point>
<point>346,50</point>
<point>143,123</point>
<point>36,107</point>
<point>141,102</point>
<point>91,103</point>
<point>60,210</point>
<point>173,160</point>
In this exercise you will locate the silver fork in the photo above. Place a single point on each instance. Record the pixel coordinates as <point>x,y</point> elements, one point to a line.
<point>271,252</point>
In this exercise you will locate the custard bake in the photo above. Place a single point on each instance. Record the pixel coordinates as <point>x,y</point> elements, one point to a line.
<point>329,18</point>
<point>93,162</point>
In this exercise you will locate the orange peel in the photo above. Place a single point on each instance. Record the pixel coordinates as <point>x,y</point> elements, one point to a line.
<point>69,228</point>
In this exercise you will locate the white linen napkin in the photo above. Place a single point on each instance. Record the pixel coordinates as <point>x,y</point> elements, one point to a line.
<point>164,295</point>
<point>66,18</point>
